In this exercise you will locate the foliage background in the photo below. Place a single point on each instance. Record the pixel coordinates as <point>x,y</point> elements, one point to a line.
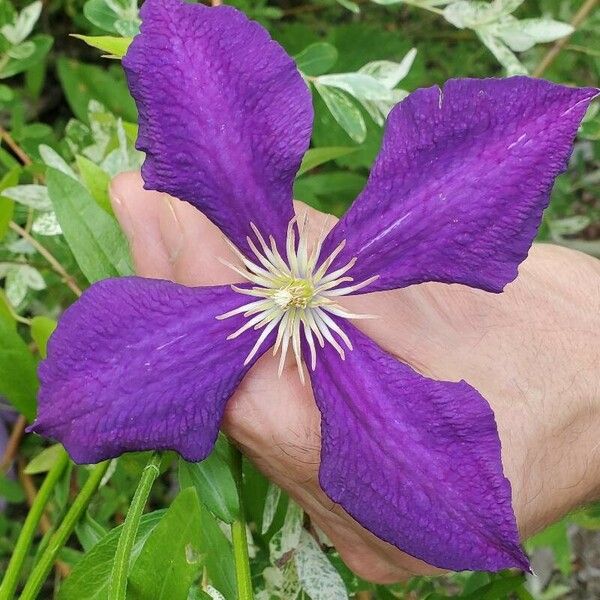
<point>68,125</point>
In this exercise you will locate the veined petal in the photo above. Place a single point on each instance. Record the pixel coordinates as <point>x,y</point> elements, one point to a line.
<point>224,114</point>
<point>458,189</point>
<point>140,364</point>
<point>415,461</point>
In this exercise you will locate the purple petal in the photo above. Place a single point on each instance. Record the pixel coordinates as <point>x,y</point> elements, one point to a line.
<point>224,115</point>
<point>458,189</point>
<point>415,461</point>
<point>140,364</point>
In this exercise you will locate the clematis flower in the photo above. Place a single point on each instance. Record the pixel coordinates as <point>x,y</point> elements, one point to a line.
<point>455,196</point>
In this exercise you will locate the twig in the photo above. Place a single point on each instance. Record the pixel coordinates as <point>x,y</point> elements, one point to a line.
<point>551,55</point>
<point>10,142</point>
<point>13,443</point>
<point>68,279</point>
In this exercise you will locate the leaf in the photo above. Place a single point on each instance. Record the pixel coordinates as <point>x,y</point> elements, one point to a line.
<point>22,26</point>
<point>94,237</point>
<point>344,111</point>
<point>90,576</point>
<point>503,54</point>
<point>7,206</point>
<point>555,537</point>
<point>521,35</point>
<point>113,16</point>
<point>18,380</point>
<point>41,330</point>
<point>270,508</point>
<point>500,588</point>
<point>10,490</point>
<point>218,552</point>
<point>318,156</point>
<point>53,159</point>
<point>46,224</point>
<point>288,537</point>
<point>318,577</point>
<point>96,181</point>
<point>349,5</point>
<point>41,46</point>
<point>115,46</point>
<point>44,461</point>
<point>316,59</point>
<point>31,195</point>
<point>171,557</point>
<point>214,482</point>
<point>389,73</point>
<point>82,82</point>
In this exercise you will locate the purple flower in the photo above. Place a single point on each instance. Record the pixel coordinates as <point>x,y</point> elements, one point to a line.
<point>456,196</point>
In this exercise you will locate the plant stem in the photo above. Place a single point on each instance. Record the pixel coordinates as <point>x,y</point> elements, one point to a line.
<point>61,535</point>
<point>11,578</point>
<point>68,279</point>
<point>550,56</point>
<point>117,586</point>
<point>238,534</point>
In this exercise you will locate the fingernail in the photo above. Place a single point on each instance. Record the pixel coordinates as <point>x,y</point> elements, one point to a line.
<point>121,212</point>
<point>171,228</point>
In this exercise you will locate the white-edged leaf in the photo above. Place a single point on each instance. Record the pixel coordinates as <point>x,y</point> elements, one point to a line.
<point>474,14</point>
<point>349,5</point>
<point>21,51</point>
<point>53,159</point>
<point>390,73</point>
<point>32,277</point>
<point>32,195</point>
<point>503,54</point>
<point>344,111</point>
<point>23,25</point>
<point>359,85</point>
<point>318,577</point>
<point>288,537</point>
<point>15,287</point>
<point>46,224</point>
<point>214,593</point>
<point>270,508</point>
<point>523,35</point>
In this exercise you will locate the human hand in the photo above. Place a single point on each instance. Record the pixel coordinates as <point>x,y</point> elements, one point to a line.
<point>532,351</point>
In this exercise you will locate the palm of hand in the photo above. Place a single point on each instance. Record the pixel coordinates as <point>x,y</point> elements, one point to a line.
<point>526,350</point>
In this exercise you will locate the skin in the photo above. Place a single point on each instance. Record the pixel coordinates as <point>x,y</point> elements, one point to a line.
<point>532,351</point>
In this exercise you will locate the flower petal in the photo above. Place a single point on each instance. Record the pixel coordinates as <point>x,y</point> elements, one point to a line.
<point>224,114</point>
<point>415,461</point>
<point>140,364</point>
<point>458,189</point>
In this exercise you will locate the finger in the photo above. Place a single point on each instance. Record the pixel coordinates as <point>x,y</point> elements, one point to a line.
<point>137,211</point>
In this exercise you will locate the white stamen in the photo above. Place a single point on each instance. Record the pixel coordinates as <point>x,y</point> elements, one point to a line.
<point>295,295</point>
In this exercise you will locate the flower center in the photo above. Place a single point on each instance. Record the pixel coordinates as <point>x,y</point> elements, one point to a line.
<point>295,294</point>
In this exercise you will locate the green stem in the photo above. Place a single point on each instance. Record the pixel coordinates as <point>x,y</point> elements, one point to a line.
<point>11,577</point>
<point>238,534</point>
<point>117,586</point>
<point>62,534</point>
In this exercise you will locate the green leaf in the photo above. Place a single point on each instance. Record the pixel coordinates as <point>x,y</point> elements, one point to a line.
<point>41,329</point>
<point>96,180</point>
<point>555,537</point>
<point>316,59</point>
<point>315,157</point>
<point>217,550</point>
<point>82,83</point>
<point>112,16</point>
<point>44,461</point>
<point>89,578</point>
<point>500,588</point>
<point>344,111</point>
<point>115,46</point>
<point>41,45</point>
<point>214,482</point>
<point>171,557</point>
<point>93,236</point>
<point>18,380</point>
<point>10,490</point>
<point>7,206</point>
